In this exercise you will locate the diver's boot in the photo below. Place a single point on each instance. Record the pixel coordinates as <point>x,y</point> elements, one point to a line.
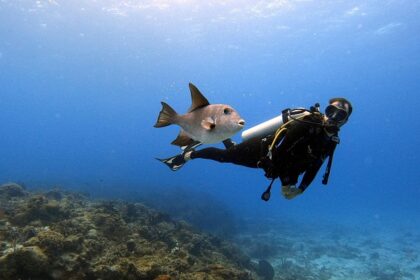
<point>176,162</point>
<point>228,143</point>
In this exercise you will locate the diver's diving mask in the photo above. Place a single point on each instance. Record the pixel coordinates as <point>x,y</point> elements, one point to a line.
<point>336,113</point>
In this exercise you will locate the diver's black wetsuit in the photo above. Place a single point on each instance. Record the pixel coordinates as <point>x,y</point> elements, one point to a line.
<point>303,149</point>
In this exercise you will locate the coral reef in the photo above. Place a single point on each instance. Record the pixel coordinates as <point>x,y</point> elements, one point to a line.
<point>63,235</point>
<point>198,208</point>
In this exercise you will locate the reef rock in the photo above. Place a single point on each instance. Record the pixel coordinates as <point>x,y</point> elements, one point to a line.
<point>25,263</point>
<point>9,190</point>
<point>59,235</point>
<point>265,270</point>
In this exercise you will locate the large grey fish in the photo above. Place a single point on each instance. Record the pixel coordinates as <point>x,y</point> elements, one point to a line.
<point>204,123</point>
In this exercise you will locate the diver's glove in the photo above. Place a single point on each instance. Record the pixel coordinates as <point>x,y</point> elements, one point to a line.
<point>290,191</point>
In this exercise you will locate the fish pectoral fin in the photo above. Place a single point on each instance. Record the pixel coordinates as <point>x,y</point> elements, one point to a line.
<point>182,139</point>
<point>208,123</point>
<point>198,99</point>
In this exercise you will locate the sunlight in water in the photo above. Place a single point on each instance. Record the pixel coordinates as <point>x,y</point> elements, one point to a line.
<point>262,8</point>
<point>211,9</point>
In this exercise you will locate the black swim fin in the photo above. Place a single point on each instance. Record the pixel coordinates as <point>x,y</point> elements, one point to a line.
<point>175,162</point>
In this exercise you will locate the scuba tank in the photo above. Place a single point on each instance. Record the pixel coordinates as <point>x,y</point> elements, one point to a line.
<point>270,126</point>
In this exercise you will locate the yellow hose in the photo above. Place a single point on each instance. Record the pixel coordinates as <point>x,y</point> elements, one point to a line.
<point>279,131</point>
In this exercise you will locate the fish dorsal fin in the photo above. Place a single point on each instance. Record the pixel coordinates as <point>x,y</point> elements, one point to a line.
<point>198,99</point>
<point>183,139</point>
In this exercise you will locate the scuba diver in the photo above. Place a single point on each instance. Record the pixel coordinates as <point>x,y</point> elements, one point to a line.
<point>299,144</point>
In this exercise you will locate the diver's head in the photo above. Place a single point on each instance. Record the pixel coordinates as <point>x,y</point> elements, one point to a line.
<point>338,111</point>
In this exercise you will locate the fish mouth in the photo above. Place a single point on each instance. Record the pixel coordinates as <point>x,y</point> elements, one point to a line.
<point>241,123</point>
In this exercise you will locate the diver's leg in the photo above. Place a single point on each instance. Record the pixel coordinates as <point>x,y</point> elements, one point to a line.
<point>246,153</point>
<point>176,162</point>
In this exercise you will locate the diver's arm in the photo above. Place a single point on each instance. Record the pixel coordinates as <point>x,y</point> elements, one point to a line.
<point>309,175</point>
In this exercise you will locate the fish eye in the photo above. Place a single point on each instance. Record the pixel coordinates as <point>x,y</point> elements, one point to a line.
<point>227,111</point>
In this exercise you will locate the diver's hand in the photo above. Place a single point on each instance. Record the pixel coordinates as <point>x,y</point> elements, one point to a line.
<point>285,190</point>
<point>293,193</point>
<point>290,191</point>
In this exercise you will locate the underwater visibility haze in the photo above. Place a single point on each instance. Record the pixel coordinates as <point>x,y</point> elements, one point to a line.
<point>81,84</point>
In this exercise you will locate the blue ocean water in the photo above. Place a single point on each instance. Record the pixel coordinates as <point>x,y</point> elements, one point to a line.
<point>81,84</point>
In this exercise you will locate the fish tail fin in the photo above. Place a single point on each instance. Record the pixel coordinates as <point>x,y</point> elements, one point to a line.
<point>166,117</point>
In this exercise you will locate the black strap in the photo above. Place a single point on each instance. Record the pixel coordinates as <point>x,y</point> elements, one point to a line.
<point>285,115</point>
<point>336,140</point>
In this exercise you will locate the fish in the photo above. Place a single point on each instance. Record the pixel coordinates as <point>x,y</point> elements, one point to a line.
<point>204,123</point>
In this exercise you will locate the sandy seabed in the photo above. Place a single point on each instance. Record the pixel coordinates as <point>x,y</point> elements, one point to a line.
<point>336,252</point>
